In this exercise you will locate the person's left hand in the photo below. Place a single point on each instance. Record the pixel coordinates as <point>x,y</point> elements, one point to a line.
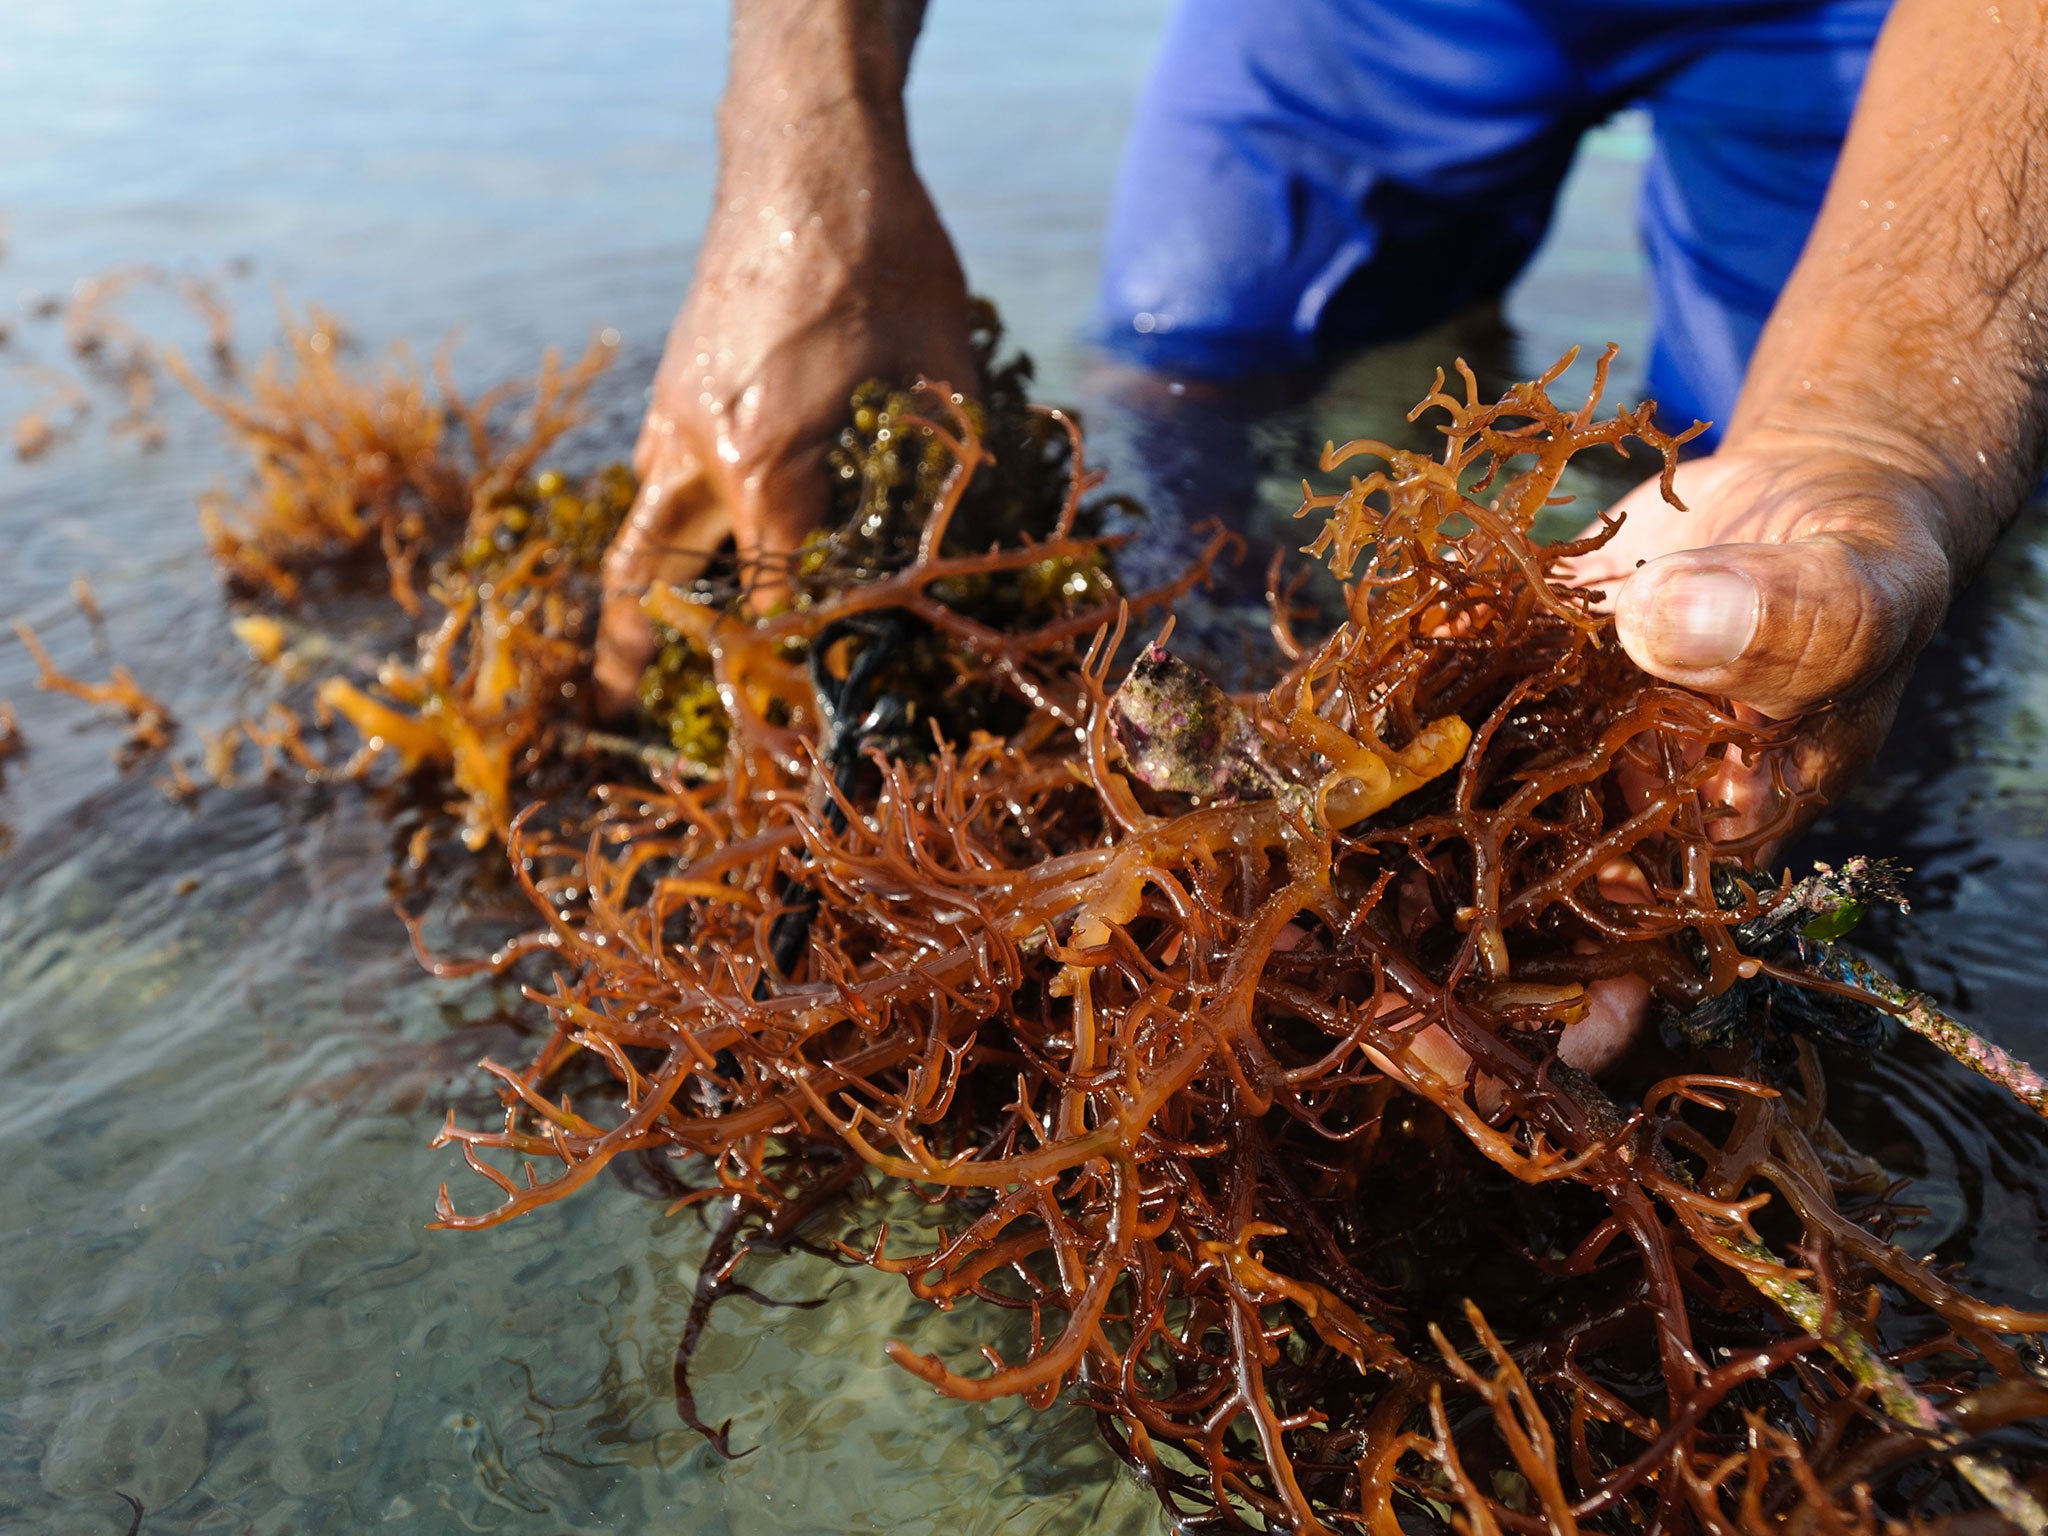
<point>1801,583</point>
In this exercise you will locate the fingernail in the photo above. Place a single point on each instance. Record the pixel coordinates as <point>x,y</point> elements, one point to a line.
<point>1697,617</point>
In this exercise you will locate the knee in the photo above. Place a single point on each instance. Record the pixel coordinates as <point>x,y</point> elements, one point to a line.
<point>1210,280</point>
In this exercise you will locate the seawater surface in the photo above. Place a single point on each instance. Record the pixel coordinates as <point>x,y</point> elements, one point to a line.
<point>219,1064</point>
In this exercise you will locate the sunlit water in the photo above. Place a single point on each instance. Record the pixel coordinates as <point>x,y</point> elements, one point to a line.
<point>219,1066</point>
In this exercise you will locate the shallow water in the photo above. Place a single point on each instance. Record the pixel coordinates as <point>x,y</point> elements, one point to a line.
<point>215,1100</point>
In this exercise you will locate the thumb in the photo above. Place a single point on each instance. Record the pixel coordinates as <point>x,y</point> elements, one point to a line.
<point>776,511</point>
<point>1783,628</point>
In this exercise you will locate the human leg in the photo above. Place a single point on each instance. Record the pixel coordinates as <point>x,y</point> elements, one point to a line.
<point>1304,174</point>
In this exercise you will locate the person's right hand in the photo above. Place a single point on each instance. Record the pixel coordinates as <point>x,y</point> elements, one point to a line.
<point>1801,583</point>
<point>825,265</point>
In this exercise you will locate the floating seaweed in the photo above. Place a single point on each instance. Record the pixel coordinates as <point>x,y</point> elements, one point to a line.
<point>1227,1038</point>
<point>117,353</point>
<point>123,356</point>
<point>94,329</point>
<point>490,561</point>
<point>390,464</point>
<point>150,722</point>
<point>56,415</point>
<point>402,470</point>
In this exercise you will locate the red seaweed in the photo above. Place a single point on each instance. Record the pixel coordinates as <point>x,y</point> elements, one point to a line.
<point>1168,1003</point>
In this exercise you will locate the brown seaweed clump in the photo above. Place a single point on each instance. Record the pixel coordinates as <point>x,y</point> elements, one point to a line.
<point>490,560</point>
<point>348,465</point>
<point>1220,1035</point>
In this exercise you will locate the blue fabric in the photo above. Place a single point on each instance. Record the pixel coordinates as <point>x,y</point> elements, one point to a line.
<point>1309,175</point>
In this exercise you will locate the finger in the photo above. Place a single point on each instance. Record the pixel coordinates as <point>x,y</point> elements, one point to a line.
<point>1783,628</point>
<point>1617,1008</point>
<point>1823,760</point>
<point>669,536</point>
<point>778,509</point>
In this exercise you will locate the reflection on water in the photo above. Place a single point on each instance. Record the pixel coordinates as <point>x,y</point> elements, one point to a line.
<point>219,1066</point>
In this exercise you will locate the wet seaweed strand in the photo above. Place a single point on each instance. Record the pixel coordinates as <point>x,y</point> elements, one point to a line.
<point>150,722</point>
<point>116,354</point>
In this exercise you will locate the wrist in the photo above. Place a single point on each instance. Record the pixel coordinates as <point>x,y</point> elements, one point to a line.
<point>1910,331</point>
<point>793,59</point>
<point>835,188</point>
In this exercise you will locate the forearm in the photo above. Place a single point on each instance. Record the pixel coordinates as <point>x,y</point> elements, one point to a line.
<point>824,264</point>
<point>1914,330</point>
<point>798,60</point>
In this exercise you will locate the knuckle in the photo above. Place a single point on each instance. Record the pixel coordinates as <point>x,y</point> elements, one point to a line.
<point>1855,613</point>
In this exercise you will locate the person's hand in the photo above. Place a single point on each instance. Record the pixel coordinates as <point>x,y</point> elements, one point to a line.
<point>1801,582</point>
<point>823,267</point>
